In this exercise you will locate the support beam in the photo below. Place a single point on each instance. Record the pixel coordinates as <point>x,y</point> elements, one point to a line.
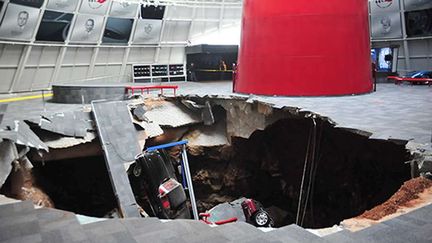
<point>405,42</point>
<point>124,62</point>
<point>37,68</point>
<point>21,66</point>
<point>92,62</point>
<point>58,66</point>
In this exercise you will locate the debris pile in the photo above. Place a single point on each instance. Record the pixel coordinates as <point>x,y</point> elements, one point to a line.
<point>409,191</point>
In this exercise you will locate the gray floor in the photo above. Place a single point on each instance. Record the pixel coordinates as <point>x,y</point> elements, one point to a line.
<point>20,222</point>
<point>394,111</point>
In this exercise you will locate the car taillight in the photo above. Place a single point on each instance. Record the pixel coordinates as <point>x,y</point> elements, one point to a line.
<point>165,202</point>
<point>248,207</point>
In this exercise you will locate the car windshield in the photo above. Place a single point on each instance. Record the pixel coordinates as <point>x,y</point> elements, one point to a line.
<point>412,74</point>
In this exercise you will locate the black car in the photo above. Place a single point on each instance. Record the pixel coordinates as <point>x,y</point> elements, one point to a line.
<point>156,188</point>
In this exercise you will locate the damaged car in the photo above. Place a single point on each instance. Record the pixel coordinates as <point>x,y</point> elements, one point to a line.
<point>156,187</point>
<point>243,209</point>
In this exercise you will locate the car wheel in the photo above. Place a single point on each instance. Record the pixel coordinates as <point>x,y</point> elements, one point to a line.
<point>261,219</point>
<point>137,170</point>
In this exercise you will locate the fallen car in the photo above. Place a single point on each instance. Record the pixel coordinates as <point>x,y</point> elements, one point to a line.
<point>243,209</point>
<point>156,188</point>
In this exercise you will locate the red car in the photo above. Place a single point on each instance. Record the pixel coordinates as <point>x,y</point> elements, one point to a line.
<point>417,77</point>
<point>255,213</point>
<point>243,209</point>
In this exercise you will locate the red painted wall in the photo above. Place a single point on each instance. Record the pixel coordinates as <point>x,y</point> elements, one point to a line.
<point>304,48</point>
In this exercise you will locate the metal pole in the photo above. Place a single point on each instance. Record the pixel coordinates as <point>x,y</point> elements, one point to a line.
<point>189,182</point>
<point>405,36</point>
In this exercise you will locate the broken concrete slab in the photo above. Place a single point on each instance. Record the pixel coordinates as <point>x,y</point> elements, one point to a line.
<point>169,135</point>
<point>357,131</point>
<point>151,129</point>
<point>192,105</point>
<point>70,123</point>
<point>205,110</point>
<point>8,154</point>
<point>8,135</point>
<point>245,118</point>
<point>120,145</point>
<point>139,113</point>
<point>425,166</point>
<point>3,108</point>
<point>79,151</point>
<point>207,136</point>
<point>170,114</point>
<point>21,134</point>
<point>66,142</point>
<point>207,114</point>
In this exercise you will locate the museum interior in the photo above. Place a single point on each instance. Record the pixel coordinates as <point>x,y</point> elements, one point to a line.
<point>215,121</point>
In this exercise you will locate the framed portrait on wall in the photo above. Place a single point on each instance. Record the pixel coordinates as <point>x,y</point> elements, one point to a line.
<point>19,22</point>
<point>147,31</point>
<point>87,29</point>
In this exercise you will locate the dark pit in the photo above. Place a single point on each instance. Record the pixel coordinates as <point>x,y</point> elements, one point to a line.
<point>346,175</point>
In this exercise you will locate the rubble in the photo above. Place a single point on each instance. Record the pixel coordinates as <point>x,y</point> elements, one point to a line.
<point>20,133</point>
<point>71,123</point>
<point>22,184</point>
<point>139,113</point>
<point>409,191</point>
<point>3,108</point>
<point>425,167</point>
<point>57,141</point>
<point>8,155</point>
<point>421,161</point>
<point>80,151</point>
<point>151,129</point>
<point>207,136</point>
<point>170,114</point>
<point>245,118</point>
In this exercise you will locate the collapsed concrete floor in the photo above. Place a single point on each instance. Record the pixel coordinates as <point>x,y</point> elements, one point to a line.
<point>347,175</point>
<point>236,148</point>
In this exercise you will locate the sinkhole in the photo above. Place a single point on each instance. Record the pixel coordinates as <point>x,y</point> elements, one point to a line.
<point>302,169</point>
<point>345,173</point>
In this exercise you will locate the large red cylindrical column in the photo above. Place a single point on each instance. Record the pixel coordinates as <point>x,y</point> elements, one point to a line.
<point>304,48</point>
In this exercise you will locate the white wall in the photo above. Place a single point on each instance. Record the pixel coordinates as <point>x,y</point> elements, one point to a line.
<point>29,66</point>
